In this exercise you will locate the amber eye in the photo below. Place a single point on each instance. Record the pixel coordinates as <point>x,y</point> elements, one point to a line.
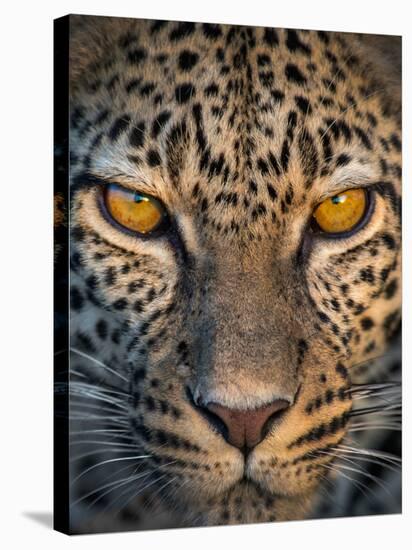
<point>135,211</point>
<point>343,212</point>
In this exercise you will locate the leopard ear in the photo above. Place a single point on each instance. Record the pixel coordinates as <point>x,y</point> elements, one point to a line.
<point>90,40</point>
<point>384,54</point>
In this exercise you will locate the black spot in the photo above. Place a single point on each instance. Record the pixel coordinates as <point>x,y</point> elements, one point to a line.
<point>266,78</point>
<point>366,275</point>
<point>342,370</point>
<point>85,342</point>
<point>77,117</point>
<point>263,166</point>
<point>309,155</point>
<point>102,117</point>
<point>136,56</point>
<point>335,304</point>
<point>394,139</point>
<point>277,95</point>
<point>115,336</point>
<point>367,323</point>
<point>303,104</point>
<point>182,30</point>
<point>220,55</point>
<point>260,210</point>
<point>119,126</point>
<point>187,60</point>
<point>272,192</point>
<point>363,137</point>
<point>132,85</point>
<point>157,26</point>
<point>293,74</point>
<point>390,323</point>
<point>211,31</point>
<point>138,306</point>
<point>137,135</point>
<point>285,154</point>
<point>120,304</point>
<point>153,158</point>
<point>150,403</point>
<point>92,282</point>
<point>343,160</point>
<point>294,43</point>
<point>323,37</point>
<point>389,241</point>
<point>184,92</point>
<point>271,38</point>
<point>101,329</point>
<point>326,145</point>
<point>323,317</point>
<point>274,163</point>
<point>391,289</point>
<point>147,89</point>
<point>263,60</point>
<point>110,276</point>
<point>211,90</point>
<point>253,187</point>
<point>159,123</point>
<point>76,299</point>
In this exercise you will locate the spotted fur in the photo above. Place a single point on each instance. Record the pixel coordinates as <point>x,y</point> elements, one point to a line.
<point>241,132</point>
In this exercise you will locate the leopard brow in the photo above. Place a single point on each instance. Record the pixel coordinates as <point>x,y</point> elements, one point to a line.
<point>87,180</point>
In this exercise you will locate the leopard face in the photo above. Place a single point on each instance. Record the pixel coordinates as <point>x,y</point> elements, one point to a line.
<point>230,339</point>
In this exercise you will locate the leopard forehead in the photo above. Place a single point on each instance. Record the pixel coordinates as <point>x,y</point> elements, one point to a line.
<point>233,122</point>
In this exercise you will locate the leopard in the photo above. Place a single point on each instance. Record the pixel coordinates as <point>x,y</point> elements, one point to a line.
<point>223,364</point>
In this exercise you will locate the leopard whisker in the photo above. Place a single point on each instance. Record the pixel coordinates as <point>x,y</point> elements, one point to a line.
<point>384,409</point>
<point>344,456</point>
<point>141,489</point>
<point>366,426</point>
<point>361,486</point>
<point>106,387</point>
<point>108,461</point>
<point>106,443</point>
<point>371,360</point>
<point>114,420</point>
<point>91,406</point>
<point>366,474</point>
<point>102,450</point>
<point>371,452</point>
<point>372,388</point>
<point>131,489</point>
<point>98,389</point>
<point>114,486</point>
<point>103,430</point>
<point>97,362</point>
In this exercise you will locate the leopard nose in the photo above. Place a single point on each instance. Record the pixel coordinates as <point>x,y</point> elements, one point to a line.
<point>245,429</point>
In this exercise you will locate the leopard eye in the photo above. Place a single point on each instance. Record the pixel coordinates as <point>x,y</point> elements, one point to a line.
<point>341,213</point>
<point>135,211</point>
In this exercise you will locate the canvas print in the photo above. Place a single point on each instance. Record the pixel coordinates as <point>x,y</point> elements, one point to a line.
<point>227,274</point>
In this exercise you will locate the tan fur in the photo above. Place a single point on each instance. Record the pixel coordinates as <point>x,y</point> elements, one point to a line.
<point>248,309</point>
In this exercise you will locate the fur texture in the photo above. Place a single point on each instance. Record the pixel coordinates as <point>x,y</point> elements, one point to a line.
<point>240,132</point>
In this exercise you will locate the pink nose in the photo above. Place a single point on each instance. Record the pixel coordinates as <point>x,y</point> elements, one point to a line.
<point>245,429</point>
